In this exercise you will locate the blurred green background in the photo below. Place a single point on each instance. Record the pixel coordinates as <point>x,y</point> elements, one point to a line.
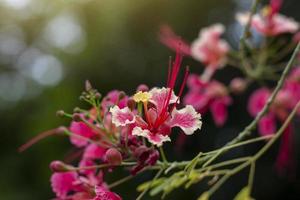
<point>48,48</point>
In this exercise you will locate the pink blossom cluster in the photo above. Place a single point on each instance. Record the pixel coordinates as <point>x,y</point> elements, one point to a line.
<point>284,102</point>
<point>269,22</point>
<point>206,94</point>
<point>112,132</point>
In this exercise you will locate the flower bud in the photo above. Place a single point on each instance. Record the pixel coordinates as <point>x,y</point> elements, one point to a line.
<point>59,166</point>
<point>122,95</point>
<point>113,157</point>
<point>142,88</point>
<point>77,110</point>
<point>76,117</point>
<point>238,85</point>
<point>131,104</point>
<point>60,113</point>
<point>97,95</point>
<point>88,85</point>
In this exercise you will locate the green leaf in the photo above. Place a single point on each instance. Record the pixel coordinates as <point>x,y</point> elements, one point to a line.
<point>145,185</point>
<point>244,194</point>
<point>204,196</point>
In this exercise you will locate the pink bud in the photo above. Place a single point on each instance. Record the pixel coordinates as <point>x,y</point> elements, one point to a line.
<point>131,104</point>
<point>113,157</point>
<point>77,117</point>
<point>59,166</point>
<point>142,88</point>
<point>88,85</point>
<point>238,85</point>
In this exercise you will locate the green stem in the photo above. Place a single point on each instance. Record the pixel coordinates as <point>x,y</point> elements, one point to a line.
<point>251,176</point>
<point>150,185</point>
<point>163,155</point>
<point>259,153</point>
<point>246,33</point>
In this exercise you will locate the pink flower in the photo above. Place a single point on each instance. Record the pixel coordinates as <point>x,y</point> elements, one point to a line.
<point>63,183</point>
<point>114,97</point>
<point>122,117</point>
<point>208,48</point>
<point>104,194</point>
<point>94,152</point>
<point>269,22</point>
<point>283,103</point>
<point>257,100</point>
<point>160,112</point>
<point>206,96</point>
<point>80,130</point>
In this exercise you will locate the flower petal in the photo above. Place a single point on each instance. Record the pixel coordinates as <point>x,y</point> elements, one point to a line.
<point>187,119</point>
<point>83,130</point>
<point>63,183</point>
<point>159,96</point>
<point>122,117</point>
<point>103,193</point>
<point>94,151</point>
<point>219,111</point>
<point>267,125</point>
<point>154,138</point>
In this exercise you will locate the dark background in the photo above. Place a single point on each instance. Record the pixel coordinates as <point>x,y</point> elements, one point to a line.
<point>48,48</point>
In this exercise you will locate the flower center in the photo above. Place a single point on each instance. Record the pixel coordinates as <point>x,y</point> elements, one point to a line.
<point>141,97</point>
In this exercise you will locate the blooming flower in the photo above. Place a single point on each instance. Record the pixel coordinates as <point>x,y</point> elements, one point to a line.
<point>211,96</point>
<point>285,100</point>
<point>160,113</point>
<point>63,183</point>
<point>208,48</point>
<point>269,22</point>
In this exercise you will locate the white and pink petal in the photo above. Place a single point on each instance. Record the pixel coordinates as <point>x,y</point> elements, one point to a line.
<point>122,117</point>
<point>154,138</point>
<point>159,97</point>
<point>187,119</point>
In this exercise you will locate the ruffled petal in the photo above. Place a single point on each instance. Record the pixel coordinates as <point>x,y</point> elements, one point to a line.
<point>94,151</point>
<point>103,193</point>
<point>187,119</point>
<point>83,130</point>
<point>154,138</point>
<point>159,96</point>
<point>122,117</point>
<point>63,183</point>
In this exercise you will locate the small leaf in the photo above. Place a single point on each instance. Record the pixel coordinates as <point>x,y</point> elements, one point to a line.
<point>204,196</point>
<point>145,185</point>
<point>244,194</point>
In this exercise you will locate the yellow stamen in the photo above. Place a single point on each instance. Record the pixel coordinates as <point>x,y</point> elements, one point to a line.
<point>142,97</point>
<point>266,11</point>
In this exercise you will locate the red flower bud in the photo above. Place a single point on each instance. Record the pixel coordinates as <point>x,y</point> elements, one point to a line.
<point>142,88</point>
<point>238,85</point>
<point>59,166</point>
<point>113,157</point>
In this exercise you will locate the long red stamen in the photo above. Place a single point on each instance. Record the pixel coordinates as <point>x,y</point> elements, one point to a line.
<point>173,74</point>
<point>38,138</point>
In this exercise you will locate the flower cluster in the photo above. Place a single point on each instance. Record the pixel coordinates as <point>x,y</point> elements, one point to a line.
<point>207,94</point>
<point>130,130</point>
<point>285,101</point>
<point>111,134</point>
